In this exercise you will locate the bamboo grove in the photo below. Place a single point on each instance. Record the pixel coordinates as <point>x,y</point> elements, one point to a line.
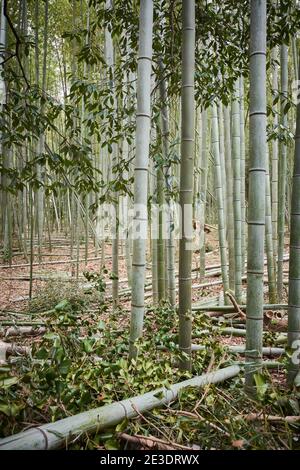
<point>138,127</point>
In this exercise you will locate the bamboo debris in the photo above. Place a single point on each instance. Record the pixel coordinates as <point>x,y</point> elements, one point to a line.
<point>150,442</point>
<point>22,331</point>
<point>63,432</point>
<point>271,418</point>
<point>7,349</point>
<point>236,305</point>
<point>240,349</point>
<point>26,265</point>
<point>19,323</point>
<point>232,309</point>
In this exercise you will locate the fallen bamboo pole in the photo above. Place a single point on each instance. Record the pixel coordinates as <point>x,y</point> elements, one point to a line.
<point>26,265</point>
<point>19,322</point>
<point>10,348</point>
<point>232,309</point>
<point>22,331</point>
<point>240,349</point>
<point>63,432</point>
<point>271,418</point>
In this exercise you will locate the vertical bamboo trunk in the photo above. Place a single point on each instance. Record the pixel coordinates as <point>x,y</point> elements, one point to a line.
<point>236,163</point>
<point>5,200</point>
<point>229,197</point>
<point>295,58</point>
<point>257,178</point>
<point>202,190</point>
<point>243,163</point>
<point>153,233</point>
<point>31,259</point>
<point>41,142</point>
<point>219,196</point>
<point>170,245</point>
<point>110,63</point>
<point>143,122</point>
<point>2,53</point>
<point>154,270</point>
<point>275,155</point>
<point>294,270</point>
<point>186,181</point>
<point>282,170</point>
<point>160,240</point>
<point>222,158</point>
<point>125,219</point>
<point>269,238</point>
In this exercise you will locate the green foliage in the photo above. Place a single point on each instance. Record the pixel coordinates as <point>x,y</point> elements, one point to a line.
<point>82,363</point>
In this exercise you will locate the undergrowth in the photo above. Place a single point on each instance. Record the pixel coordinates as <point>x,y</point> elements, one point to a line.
<point>82,363</point>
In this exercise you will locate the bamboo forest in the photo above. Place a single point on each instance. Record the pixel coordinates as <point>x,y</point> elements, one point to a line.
<point>150,225</point>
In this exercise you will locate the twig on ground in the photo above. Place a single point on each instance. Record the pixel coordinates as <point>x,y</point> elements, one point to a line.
<point>236,305</point>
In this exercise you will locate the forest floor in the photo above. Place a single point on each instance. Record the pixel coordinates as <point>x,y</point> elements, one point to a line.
<point>80,362</point>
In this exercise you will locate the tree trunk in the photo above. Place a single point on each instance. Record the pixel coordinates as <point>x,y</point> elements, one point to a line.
<point>186,181</point>
<point>229,198</point>
<point>257,179</point>
<point>294,271</point>
<point>282,170</point>
<point>143,122</point>
<point>275,154</point>
<point>219,196</point>
<point>236,163</point>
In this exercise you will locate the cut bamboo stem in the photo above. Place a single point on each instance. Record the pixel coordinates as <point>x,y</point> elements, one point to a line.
<point>63,432</point>
<point>238,349</point>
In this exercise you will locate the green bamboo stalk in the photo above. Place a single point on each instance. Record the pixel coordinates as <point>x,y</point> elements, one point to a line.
<point>236,163</point>
<point>170,245</point>
<point>243,156</point>
<point>282,170</point>
<point>275,154</point>
<point>257,179</point>
<point>203,189</point>
<point>143,123</point>
<point>161,275</point>
<point>269,238</point>
<point>229,197</point>
<point>63,432</point>
<point>219,196</point>
<point>186,180</point>
<point>295,58</point>
<point>222,158</point>
<point>294,269</point>
<point>238,349</point>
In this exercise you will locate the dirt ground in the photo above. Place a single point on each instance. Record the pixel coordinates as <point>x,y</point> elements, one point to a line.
<point>14,292</point>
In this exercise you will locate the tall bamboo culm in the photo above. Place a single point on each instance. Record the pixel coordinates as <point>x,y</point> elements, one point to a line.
<point>143,123</point>
<point>243,166</point>
<point>282,170</point>
<point>186,181</point>
<point>229,197</point>
<point>257,178</point>
<point>236,163</point>
<point>219,196</point>
<point>170,245</point>
<point>294,270</point>
<point>275,153</point>
<point>269,238</point>
<point>203,189</point>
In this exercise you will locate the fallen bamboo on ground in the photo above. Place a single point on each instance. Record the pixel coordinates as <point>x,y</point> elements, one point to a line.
<point>7,349</point>
<point>271,418</point>
<point>22,331</point>
<point>26,265</point>
<point>240,349</point>
<point>63,432</point>
<point>232,309</point>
